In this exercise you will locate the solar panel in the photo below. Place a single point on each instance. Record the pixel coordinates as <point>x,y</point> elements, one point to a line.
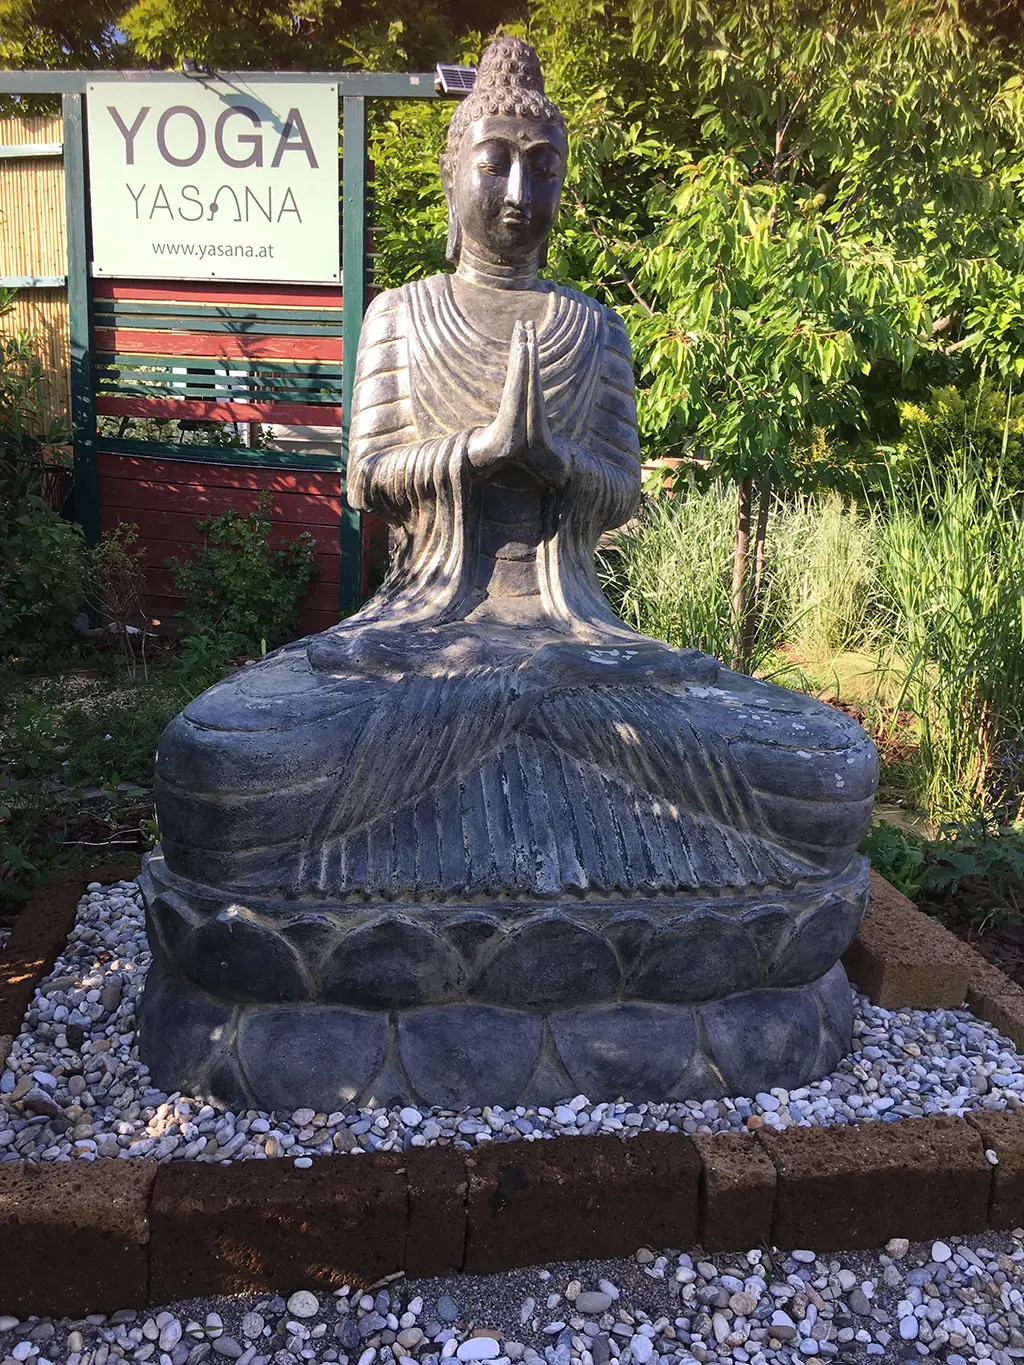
<point>455,80</point>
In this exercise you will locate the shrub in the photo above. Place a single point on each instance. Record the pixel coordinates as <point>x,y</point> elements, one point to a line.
<point>118,575</point>
<point>241,595</point>
<point>42,557</point>
<point>982,426</point>
<point>43,579</point>
<point>980,863</point>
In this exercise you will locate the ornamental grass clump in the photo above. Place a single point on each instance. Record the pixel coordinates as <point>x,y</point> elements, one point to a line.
<point>951,563</point>
<point>824,554</point>
<point>669,571</point>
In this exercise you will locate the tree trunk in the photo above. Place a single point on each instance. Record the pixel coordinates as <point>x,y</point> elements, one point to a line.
<point>756,611</point>
<point>741,575</point>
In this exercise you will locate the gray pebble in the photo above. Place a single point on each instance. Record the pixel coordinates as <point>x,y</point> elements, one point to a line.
<point>590,1301</point>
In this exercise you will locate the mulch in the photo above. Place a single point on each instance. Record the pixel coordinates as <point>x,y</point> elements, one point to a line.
<point>963,914</point>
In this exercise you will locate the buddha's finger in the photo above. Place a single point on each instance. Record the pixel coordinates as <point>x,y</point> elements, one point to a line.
<point>510,424</point>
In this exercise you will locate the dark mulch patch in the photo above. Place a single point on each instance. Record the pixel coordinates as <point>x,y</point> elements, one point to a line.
<point>971,916</point>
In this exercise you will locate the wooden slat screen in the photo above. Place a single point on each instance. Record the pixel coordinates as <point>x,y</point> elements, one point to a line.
<point>218,352</point>
<point>33,243</point>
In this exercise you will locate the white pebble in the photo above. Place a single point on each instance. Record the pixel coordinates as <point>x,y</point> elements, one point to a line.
<point>479,1348</point>
<point>303,1304</point>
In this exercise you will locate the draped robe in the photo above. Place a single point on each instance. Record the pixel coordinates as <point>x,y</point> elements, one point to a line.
<point>486,726</point>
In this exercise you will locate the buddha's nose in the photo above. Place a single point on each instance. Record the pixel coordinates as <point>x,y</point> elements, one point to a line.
<point>517,189</point>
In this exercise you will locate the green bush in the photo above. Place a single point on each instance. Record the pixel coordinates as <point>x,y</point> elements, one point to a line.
<point>43,580</point>
<point>981,425</point>
<point>241,595</point>
<point>42,557</point>
<point>988,858</point>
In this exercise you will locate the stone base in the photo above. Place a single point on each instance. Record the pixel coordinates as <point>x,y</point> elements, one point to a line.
<point>468,1053</point>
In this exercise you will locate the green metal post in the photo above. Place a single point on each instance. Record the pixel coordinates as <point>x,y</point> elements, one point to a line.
<point>83,397</point>
<point>353,275</point>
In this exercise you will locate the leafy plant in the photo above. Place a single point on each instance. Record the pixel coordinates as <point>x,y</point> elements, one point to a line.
<point>118,573</point>
<point>241,594</point>
<point>42,557</point>
<point>43,579</point>
<point>987,858</point>
<point>898,855</point>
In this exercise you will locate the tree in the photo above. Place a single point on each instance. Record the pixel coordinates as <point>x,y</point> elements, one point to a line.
<point>61,34</point>
<point>796,205</point>
<point>262,34</point>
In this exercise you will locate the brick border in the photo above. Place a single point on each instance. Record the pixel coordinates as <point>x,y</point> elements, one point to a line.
<point>96,1236</point>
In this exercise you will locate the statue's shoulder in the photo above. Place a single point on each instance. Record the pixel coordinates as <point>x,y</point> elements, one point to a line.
<point>616,336</point>
<point>408,295</point>
<point>383,319</point>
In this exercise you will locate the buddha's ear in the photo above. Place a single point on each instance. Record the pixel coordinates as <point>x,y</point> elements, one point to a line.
<point>454,243</point>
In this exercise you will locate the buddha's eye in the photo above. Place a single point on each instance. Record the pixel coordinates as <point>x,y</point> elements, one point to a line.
<point>545,167</point>
<point>491,165</point>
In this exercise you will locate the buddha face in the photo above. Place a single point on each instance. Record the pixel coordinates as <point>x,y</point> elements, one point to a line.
<point>505,185</point>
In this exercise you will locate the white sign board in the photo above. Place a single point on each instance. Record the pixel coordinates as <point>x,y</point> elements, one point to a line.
<point>216,180</point>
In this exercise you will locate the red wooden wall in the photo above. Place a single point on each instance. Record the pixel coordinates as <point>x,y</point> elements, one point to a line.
<point>165,498</point>
<point>223,352</point>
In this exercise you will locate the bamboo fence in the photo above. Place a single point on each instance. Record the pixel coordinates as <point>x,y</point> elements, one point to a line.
<point>33,242</point>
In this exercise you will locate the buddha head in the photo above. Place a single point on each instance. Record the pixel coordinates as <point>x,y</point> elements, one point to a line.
<point>505,161</point>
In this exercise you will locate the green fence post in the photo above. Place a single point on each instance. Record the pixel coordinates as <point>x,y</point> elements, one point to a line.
<point>353,276</point>
<point>83,396</point>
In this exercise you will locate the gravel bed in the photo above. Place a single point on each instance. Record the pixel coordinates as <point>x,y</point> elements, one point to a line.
<point>957,1302</point>
<point>74,1087</point>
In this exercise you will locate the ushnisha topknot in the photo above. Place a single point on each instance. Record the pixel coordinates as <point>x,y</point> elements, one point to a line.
<point>509,81</point>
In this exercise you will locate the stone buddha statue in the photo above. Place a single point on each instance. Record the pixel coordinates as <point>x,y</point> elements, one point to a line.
<point>481,842</point>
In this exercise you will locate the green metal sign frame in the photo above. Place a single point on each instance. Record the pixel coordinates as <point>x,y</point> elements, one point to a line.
<point>354,89</point>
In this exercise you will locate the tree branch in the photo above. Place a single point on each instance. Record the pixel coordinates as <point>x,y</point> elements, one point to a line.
<point>607,246</point>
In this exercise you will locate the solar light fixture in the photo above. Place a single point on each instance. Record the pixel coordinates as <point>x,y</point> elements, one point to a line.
<point>456,81</point>
<point>191,67</point>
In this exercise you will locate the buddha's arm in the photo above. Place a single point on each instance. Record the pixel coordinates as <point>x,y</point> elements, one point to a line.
<point>606,465</point>
<point>390,470</point>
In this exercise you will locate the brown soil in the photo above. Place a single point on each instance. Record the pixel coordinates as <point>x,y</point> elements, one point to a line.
<point>1002,944</point>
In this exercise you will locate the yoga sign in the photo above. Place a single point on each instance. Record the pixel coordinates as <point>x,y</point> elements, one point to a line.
<point>214,179</point>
